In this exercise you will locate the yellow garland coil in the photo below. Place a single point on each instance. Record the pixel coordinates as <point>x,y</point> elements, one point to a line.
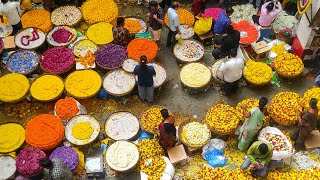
<point>47,87</point>
<point>13,87</point>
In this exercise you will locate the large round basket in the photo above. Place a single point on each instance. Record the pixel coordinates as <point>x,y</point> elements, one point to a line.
<point>126,150</point>
<point>34,66</point>
<point>144,26</point>
<point>72,8</point>
<point>193,74</point>
<point>53,98</point>
<point>84,49</point>
<point>7,167</point>
<point>12,137</point>
<point>121,86</point>
<point>182,56</point>
<point>71,39</point>
<point>129,65</point>
<point>157,120</point>
<point>32,32</point>
<point>161,75</point>
<point>284,75</point>
<point>82,119</point>
<point>214,70</point>
<point>10,85</point>
<point>122,125</point>
<point>180,130</point>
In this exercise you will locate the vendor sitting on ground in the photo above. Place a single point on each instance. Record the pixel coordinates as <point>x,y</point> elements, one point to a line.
<point>121,35</point>
<point>230,72</point>
<point>259,159</point>
<point>223,21</point>
<point>224,45</point>
<point>268,14</point>
<point>167,130</point>
<point>307,123</point>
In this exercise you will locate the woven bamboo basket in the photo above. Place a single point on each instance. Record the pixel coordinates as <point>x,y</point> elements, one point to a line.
<point>214,69</point>
<point>74,24</point>
<point>182,61</point>
<point>105,125</point>
<point>155,106</point>
<point>144,27</point>
<point>52,98</point>
<point>27,73</point>
<point>165,78</point>
<point>200,87</point>
<point>123,94</point>
<point>286,76</point>
<point>78,42</point>
<point>180,130</point>
<point>37,30</point>
<point>67,44</point>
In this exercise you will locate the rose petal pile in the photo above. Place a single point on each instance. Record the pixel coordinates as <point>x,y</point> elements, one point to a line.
<point>223,118</point>
<point>288,65</point>
<point>111,56</point>
<point>278,143</point>
<point>66,108</point>
<point>285,108</point>
<point>257,73</point>
<point>13,87</point>
<point>12,136</point>
<point>140,46</point>
<point>27,161</point>
<point>37,18</point>
<point>62,35</point>
<point>66,15</point>
<point>99,10</point>
<point>83,84</point>
<point>151,118</point>
<point>100,33</point>
<point>67,155</point>
<point>133,25</point>
<point>57,60</point>
<point>23,62</point>
<point>185,17</point>
<point>47,88</point>
<point>249,31</point>
<point>212,12</point>
<point>311,93</point>
<point>44,131</point>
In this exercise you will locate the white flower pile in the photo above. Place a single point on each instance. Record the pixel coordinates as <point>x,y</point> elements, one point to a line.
<point>196,133</point>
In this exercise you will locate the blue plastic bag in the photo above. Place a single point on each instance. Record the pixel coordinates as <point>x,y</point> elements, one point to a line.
<point>102,94</point>
<point>215,158</point>
<point>145,135</point>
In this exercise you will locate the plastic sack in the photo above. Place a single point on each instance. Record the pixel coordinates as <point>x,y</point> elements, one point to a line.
<point>218,144</point>
<point>215,158</point>
<point>167,174</point>
<point>277,155</point>
<point>318,80</point>
<point>145,135</point>
<point>202,25</point>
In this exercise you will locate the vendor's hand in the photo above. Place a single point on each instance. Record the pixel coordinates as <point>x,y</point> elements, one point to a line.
<point>260,166</point>
<point>155,130</point>
<point>155,16</point>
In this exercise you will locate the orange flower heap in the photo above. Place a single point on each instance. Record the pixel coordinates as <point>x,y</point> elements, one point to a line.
<point>185,17</point>
<point>87,60</point>
<point>66,108</point>
<point>250,32</point>
<point>223,118</point>
<point>288,65</point>
<point>37,18</point>
<point>138,47</point>
<point>285,108</point>
<point>133,25</point>
<point>94,11</point>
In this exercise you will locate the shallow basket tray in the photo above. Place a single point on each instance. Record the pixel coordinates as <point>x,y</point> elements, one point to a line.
<point>123,94</point>
<point>142,29</point>
<point>182,61</point>
<point>286,76</point>
<point>146,111</point>
<point>45,36</point>
<point>66,45</point>
<point>180,130</point>
<point>30,72</point>
<point>74,24</point>
<point>200,87</point>
<point>105,124</point>
<point>78,42</point>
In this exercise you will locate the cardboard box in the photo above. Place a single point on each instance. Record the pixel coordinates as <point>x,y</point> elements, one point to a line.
<point>314,141</point>
<point>191,150</point>
<point>261,49</point>
<point>9,42</point>
<point>178,155</point>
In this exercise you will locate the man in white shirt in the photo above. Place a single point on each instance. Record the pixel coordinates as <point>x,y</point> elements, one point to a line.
<point>11,11</point>
<point>173,23</point>
<point>230,72</point>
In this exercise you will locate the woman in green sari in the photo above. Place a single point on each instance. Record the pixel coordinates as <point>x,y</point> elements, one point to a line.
<point>252,124</point>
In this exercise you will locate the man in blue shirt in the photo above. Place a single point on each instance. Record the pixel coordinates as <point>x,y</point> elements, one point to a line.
<point>223,21</point>
<point>145,75</point>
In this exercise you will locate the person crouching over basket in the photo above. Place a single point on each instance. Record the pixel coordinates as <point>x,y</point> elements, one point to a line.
<point>167,131</point>
<point>145,75</point>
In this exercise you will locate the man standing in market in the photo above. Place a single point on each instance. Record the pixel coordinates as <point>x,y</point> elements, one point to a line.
<point>55,169</point>
<point>11,11</point>
<point>173,24</point>
<point>230,72</point>
<point>156,21</point>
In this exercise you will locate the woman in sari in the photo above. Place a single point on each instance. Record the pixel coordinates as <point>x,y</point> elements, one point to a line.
<point>167,130</point>
<point>307,123</point>
<point>252,124</point>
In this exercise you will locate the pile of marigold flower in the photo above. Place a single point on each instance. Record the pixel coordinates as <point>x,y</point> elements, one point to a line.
<point>311,93</point>
<point>133,25</point>
<point>222,173</point>
<point>37,18</point>
<point>94,11</point>
<point>288,65</point>
<point>185,17</point>
<point>257,73</point>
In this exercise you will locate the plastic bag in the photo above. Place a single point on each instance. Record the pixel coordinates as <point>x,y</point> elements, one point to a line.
<point>318,80</point>
<point>218,144</point>
<point>215,158</point>
<point>277,155</point>
<point>202,25</point>
<point>167,174</point>
<point>145,135</point>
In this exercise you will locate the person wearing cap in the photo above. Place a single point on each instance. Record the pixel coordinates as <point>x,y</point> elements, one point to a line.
<point>173,23</point>
<point>269,11</point>
<point>121,35</point>
<point>230,72</point>
<point>156,21</point>
<point>11,11</point>
<point>145,75</point>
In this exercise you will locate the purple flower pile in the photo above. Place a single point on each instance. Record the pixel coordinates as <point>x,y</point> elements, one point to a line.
<point>111,56</point>
<point>67,155</point>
